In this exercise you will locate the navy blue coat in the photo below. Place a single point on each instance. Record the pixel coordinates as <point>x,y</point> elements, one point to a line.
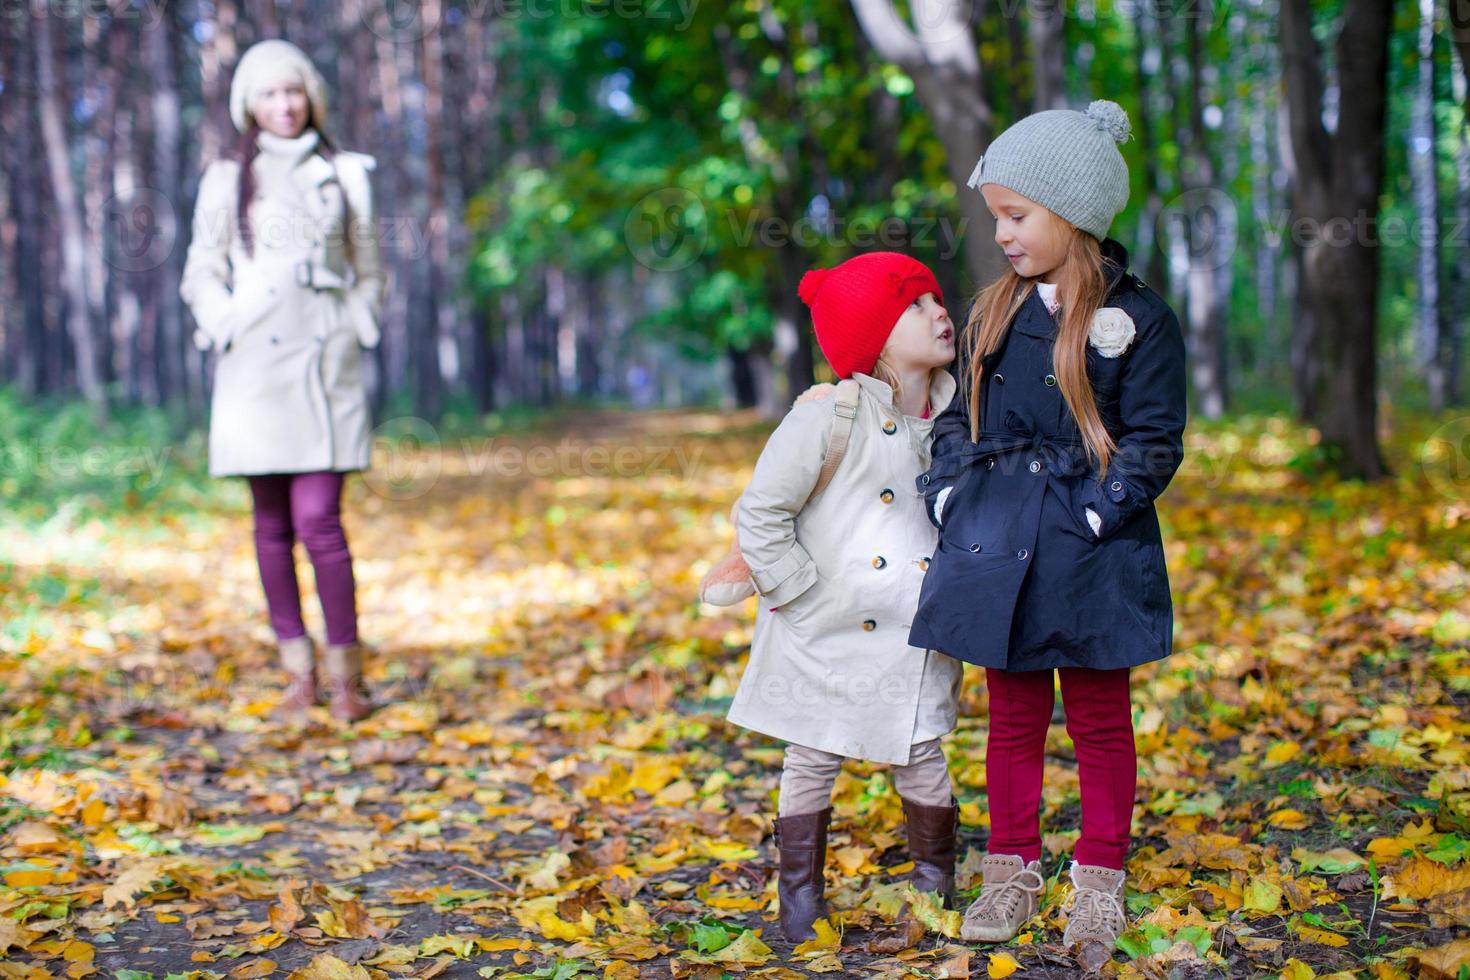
<point>1019,581</point>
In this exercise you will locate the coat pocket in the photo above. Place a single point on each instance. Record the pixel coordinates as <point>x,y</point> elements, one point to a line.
<point>247,308</point>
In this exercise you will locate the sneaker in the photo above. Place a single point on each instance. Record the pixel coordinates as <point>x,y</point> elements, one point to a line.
<point>1094,910</point>
<point>1008,897</point>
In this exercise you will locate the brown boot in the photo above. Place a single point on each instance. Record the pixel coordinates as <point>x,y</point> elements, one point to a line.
<point>298,657</point>
<point>801,841</point>
<point>1007,899</point>
<point>932,832</point>
<point>1095,913</point>
<point>342,665</point>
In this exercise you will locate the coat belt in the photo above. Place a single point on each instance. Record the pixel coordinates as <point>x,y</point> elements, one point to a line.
<point>1063,454</point>
<point>312,275</point>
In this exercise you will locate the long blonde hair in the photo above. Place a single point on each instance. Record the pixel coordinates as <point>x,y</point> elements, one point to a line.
<point>1082,289</point>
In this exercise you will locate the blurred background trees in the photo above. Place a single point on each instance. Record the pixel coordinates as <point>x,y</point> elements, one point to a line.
<point>613,200</point>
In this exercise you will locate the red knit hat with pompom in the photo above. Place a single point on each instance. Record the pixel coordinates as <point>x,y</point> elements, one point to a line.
<point>855,305</point>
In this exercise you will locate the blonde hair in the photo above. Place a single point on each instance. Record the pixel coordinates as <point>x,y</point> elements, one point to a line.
<point>1082,289</point>
<point>888,376</point>
<point>884,372</point>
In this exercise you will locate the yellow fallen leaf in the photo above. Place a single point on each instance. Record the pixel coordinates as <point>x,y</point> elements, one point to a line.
<point>1444,961</point>
<point>1422,878</point>
<point>79,952</point>
<point>1289,819</point>
<point>1281,753</point>
<point>328,967</point>
<point>746,949</point>
<point>1262,896</point>
<point>1321,937</point>
<point>1001,964</point>
<point>1295,969</point>
<point>540,914</point>
<point>825,941</point>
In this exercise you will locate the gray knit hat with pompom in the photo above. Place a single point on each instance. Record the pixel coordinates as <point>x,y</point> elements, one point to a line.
<point>1066,161</point>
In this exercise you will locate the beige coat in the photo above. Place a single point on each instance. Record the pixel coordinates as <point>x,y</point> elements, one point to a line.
<point>289,322</point>
<point>831,668</point>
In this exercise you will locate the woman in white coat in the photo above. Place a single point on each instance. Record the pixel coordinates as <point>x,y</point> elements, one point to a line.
<point>285,282</point>
<point>831,671</point>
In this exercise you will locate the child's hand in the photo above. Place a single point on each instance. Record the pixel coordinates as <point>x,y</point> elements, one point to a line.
<point>816,392</point>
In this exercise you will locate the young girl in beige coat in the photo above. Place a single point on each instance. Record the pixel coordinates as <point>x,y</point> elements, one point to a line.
<point>831,671</point>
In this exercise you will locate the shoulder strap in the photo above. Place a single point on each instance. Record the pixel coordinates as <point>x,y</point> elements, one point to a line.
<point>845,411</point>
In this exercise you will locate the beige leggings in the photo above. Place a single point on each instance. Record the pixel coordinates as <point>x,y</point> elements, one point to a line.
<point>808,775</point>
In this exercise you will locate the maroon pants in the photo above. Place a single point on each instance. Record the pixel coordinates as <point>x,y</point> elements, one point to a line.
<point>307,506</point>
<point>1100,722</point>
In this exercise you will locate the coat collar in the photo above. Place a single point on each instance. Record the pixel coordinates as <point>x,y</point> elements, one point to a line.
<point>1035,320</point>
<point>942,387</point>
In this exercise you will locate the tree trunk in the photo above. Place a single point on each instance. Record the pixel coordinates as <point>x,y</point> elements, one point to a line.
<point>1460,292</point>
<point>1340,178</point>
<point>1048,53</point>
<point>1201,220</point>
<point>166,141</point>
<point>943,62</point>
<point>1429,345</point>
<point>80,322</point>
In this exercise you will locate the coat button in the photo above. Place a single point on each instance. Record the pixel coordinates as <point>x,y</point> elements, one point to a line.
<point>870,625</point>
<point>1051,380</point>
<point>880,562</point>
<point>1000,379</point>
<point>923,564</point>
<point>1023,554</point>
<point>1035,466</point>
<point>975,548</point>
<point>886,496</point>
<point>924,479</point>
<point>889,428</point>
<point>990,463</point>
<point>1117,485</point>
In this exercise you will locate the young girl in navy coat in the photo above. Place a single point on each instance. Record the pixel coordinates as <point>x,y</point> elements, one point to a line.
<point>1068,422</point>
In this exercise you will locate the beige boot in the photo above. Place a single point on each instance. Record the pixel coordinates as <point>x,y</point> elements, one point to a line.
<point>342,667</point>
<point>298,657</point>
<point>1008,897</point>
<point>1095,913</point>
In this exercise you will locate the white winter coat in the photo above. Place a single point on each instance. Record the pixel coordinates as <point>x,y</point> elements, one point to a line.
<point>831,667</point>
<point>289,322</point>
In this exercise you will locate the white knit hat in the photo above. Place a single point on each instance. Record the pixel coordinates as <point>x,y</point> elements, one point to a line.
<point>273,61</point>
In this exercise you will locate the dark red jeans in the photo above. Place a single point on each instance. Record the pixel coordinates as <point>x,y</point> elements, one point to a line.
<point>307,506</point>
<point>1100,722</point>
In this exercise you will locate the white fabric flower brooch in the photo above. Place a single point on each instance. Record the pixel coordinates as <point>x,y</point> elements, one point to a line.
<point>1112,331</point>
